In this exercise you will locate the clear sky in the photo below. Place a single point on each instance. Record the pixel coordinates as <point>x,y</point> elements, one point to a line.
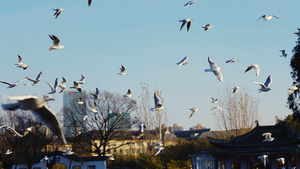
<point>144,36</point>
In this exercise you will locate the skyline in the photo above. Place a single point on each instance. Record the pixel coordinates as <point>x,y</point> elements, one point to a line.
<point>144,36</point>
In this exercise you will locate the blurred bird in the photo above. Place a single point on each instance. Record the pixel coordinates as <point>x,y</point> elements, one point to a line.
<point>213,100</point>
<point>187,22</point>
<point>266,86</point>
<point>183,61</point>
<point>84,118</point>
<point>82,80</point>
<point>44,159</point>
<point>8,152</point>
<point>20,64</point>
<point>79,101</point>
<point>158,150</point>
<point>214,69</point>
<point>69,152</point>
<point>160,144</point>
<point>193,110</point>
<point>76,86</point>
<point>267,17</point>
<point>284,54</point>
<point>56,44</point>
<point>37,80</point>
<point>11,130</point>
<point>37,106</point>
<point>12,85</point>
<point>89,2</point>
<point>96,95</point>
<point>231,60</point>
<point>217,107</point>
<point>255,67</point>
<point>53,88</point>
<point>141,127</point>
<point>189,3</point>
<point>57,12</point>
<point>94,108</point>
<point>207,26</point>
<point>263,159</point>
<point>157,103</point>
<point>63,85</point>
<point>268,137</point>
<point>292,89</point>
<point>122,70</point>
<point>236,89</point>
<point>128,94</point>
<point>281,160</point>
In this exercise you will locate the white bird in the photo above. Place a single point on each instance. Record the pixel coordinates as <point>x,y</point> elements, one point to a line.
<point>236,89</point>
<point>69,152</point>
<point>53,88</point>
<point>80,101</point>
<point>94,108</point>
<point>187,22</point>
<point>160,144</point>
<point>82,80</point>
<point>217,107</point>
<point>96,95</point>
<point>281,160</point>
<point>37,80</point>
<point>284,54</point>
<point>76,86</point>
<point>141,127</point>
<point>231,60</point>
<point>267,17</point>
<point>157,103</point>
<point>158,150</point>
<point>12,85</point>
<point>214,69</point>
<point>128,94</point>
<point>84,118</point>
<point>63,85</point>
<point>20,64</point>
<point>266,86</point>
<point>12,130</point>
<point>37,106</point>
<point>8,152</point>
<point>268,137</point>
<point>57,12</point>
<point>183,61</point>
<point>207,26</point>
<point>56,44</point>
<point>122,70</point>
<point>292,89</point>
<point>255,67</point>
<point>189,3</point>
<point>213,100</point>
<point>193,110</point>
<point>263,159</point>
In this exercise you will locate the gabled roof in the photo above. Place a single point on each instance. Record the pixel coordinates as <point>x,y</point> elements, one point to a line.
<point>282,134</point>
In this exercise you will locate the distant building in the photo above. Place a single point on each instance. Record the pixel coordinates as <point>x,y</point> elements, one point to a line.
<point>171,129</point>
<point>197,127</point>
<point>120,121</point>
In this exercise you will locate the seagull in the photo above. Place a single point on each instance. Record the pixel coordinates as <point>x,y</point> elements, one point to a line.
<point>76,86</point>
<point>263,159</point>
<point>157,103</point>
<point>56,45</point>
<point>231,60</point>
<point>281,160</point>
<point>69,152</point>
<point>183,61</point>
<point>235,89</point>
<point>214,69</point>
<point>217,107</point>
<point>45,159</point>
<point>141,127</point>
<point>284,54</point>
<point>122,70</point>
<point>12,130</point>
<point>160,144</point>
<point>80,101</point>
<point>97,94</point>
<point>84,118</point>
<point>8,152</point>
<point>255,67</point>
<point>53,88</point>
<point>292,89</point>
<point>11,85</point>
<point>94,108</point>
<point>193,110</point>
<point>268,137</point>
<point>82,80</point>
<point>158,150</point>
<point>267,17</point>
<point>63,85</point>
<point>207,26</point>
<point>213,100</point>
<point>57,12</point>
<point>37,106</point>
<point>128,94</point>
<point>37,80</point>
<point>265,87</point>
<point>20,64</point>
<point>89,2</point>
<point>189,3</point>
<point>187,22</point>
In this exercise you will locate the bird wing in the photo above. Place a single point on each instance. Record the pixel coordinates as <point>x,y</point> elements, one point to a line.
<point>249,68</point>
<point>189,23</point>
<point>122,68</point>
<point>39,76</point>
<point>56,83</point>
<point>50,86</point>
<point>183,23</point>
<point>20,59</point>
<point>156,99</point>
<point>218,74</point>
<point>5,82</point>
<point>268,81</point>
<point>20,80</point>
<point>82,78</point>
<point>183,60</point>
<point>261,17</point>
<point>211,63</point>
<point>55,40</point>
<point>57,13</point>
<point>256,68</point>
<point>128,92</point>
<point>274,16</point>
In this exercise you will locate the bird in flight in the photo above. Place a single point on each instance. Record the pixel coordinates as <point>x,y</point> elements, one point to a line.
<point>213,100</point>
<point>189,3</point>
<point>186,22</point>
<point>267,17</point>
<point>12,85</point>
<point>215,69</point>
<point>82,80</point>
<point>157,103</point>
<point>263,159</point>
<point>128,94</point>
<point>122,70</point>
<point>265,86</point>
<point>20,64</point>
<point>96,95</point>
<point>292,89</point>
<point>183,61</point>
<point>255,67</point>
<point>63,85</point>
<point>236,89</point>
<point>217,107</point>
<point>53,88</point>
<point>57,12</point>
<point>268,137</point>
<point>207,26</point>
<point>56,44</point>
<point>37,80</point>
<point>76,86</point>
<point>193,110</point>
<point>231,60</point>
<point>284,54</point>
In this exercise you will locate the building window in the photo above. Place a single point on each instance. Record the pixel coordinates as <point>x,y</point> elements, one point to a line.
<point>121,151</point>
<point>115,151</point>
<point>127,151</point>
<point>76,167</point>
<point>138,150</point>
<point>127,144</point>
<point>114,143</point>
<point>91,167</point>
<point>137,144</point>
<point>132,144</point>
<point>133,151</point>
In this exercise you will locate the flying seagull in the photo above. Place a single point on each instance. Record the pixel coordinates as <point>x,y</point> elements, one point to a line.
<point>56,44</point>
<point>122,70</point>
<point>97,94</point>
<point>255,67</point>
<point>207,26</point>
<point>268,137</point>
<point>189,3</point>
<point>94,108</point>
<point>80,101</point>
<point>263,159</point>
<point>57,12</point>
<point>217,107</point>
<point>213,100</point>
<point>284,54</point>
<point>11,85</point>
<point>157,103</point>
<point>53,88</point>
<point>236,89</point>
<point>69,152</point>
<point>8,152</point>
<point>292,89</point>
<point>187,22</point>
<point>37,106</point>
<point>214,69</point>
<point>266,86</point>
<point>37,80</point>
<point>231,60</point>
<point>183,61</point>
<point>63,85</point>
<point>82,80</point>
<point>128,94</point>
<point>281,160</point>
<point>76,86</point>
<point>142,127</point>
<point>84,118</point>
<point>158,150</point>
<point>267,17</point>
<point>20,64</point>
<point>160,143</point>
<point>193,110</point>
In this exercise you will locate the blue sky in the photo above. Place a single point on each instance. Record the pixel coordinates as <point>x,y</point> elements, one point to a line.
<point>144,36</point>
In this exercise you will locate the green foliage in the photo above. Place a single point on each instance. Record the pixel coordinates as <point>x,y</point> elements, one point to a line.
<point>180,164</point>
<point>289,121</point>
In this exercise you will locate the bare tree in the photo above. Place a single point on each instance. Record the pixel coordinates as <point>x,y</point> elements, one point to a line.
<point>239,111</point>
